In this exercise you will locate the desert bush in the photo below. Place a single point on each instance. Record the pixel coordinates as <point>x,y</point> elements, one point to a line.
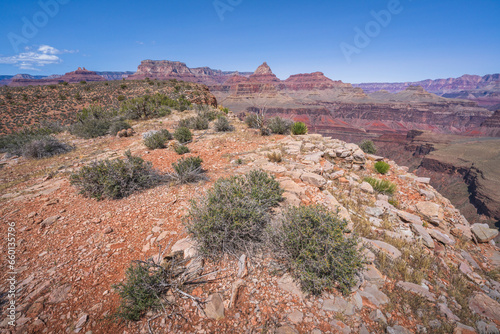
<point>299,128</point>
<point>233,214</point>
<point>44,147</point>
<point>181,149</point>
<point>148,106</point>
<point>117,125</point>
<point>311,240</point>
<point>254,121</point>
<point>13,143</point>
<point>92,122</point>
<point>368,147</point>
<point>382,186</point>
<point>148,282</point>
<point>183,135</point>
<point>155,140</point>
<point>195,123</point>
<point>115,178</point>
<point>280,125</point>
<point>382,167</point>
<point>187,170</point>
<point>222,125</point>
<point>265,131</point>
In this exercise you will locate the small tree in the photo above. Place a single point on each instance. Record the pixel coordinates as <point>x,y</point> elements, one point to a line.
<point>368,147</point>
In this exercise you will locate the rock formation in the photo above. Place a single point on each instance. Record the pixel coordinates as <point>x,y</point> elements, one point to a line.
<point>81,74</point>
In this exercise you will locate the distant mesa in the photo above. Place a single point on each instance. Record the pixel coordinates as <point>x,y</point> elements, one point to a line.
<point>81,74</point>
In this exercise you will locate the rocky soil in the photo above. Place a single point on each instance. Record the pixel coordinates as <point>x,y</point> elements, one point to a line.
<point>428,270</point>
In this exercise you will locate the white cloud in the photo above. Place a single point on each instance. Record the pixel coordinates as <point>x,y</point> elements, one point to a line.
<point>30,60</point>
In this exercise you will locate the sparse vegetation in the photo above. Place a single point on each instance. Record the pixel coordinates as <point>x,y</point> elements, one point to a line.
<point>183,135</point>
<point>188,170</point>
<point>382,186</point>
<point>222,125</point>
<point>195,123</point>
<point>157,139</point>
<point>232,216</point>
<point>92,122</point>
<point>15,142</point>
<point>147,283</point>
<point>311,241</point>
<point>254,121</point>
<point>45,147</point>
<point>181,149</point>
<point>382,167</point>
<point>118,125</point>
<point>368,147</point>
<point>279,125</point>
<point>115,178</point>
<point>299,128</point>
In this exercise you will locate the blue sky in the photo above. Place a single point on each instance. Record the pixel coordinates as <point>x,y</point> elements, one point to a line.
<point>422,38</point>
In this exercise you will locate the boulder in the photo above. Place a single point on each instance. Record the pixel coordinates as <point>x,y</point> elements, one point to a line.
<point>417,289</point>
<point>483,232</point>
<point>442,237</point>
<point>431,211</point>
<point>409,218</point>
<point>314,179</point>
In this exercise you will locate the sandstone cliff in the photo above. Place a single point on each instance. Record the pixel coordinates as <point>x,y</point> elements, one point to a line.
<point>81,74</point>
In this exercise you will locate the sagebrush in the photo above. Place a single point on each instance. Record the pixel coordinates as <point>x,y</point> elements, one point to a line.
<point>311,240</point>
<point>232,216</point>
<point>115,179</point>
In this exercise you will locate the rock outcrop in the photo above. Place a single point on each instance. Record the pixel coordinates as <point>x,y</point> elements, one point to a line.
<point>168,70</point>
<point>81,74</point>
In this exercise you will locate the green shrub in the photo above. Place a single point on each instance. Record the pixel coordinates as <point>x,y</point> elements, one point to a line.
<point>121,98</point>
<point>13,143</point>
<point>188,170</point>
<point>45,147</point>
<point>254,121</point>
<point>117,125</point>
<point>195,123</point>
<point>183,135</point>
<point>140,291</point>
<point>222,125</point>
<point>233,215</point>
<point>382,167</point>
<point>181,149</point>
<point>92,122</point>
<point>368,147</point>
<point>147,283</point>
<point>152,106</point>
<point>311,240</point>
<point>155,140</point>
<point>115,178</point>
<point>382,186</point>
<point>280,125</point>
<point>299,128</point>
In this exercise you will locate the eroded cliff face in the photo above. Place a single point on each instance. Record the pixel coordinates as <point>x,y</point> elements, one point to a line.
<point>168,70</point>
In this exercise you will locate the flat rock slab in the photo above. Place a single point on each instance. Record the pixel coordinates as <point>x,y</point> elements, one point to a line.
<point>483,232</point>
<point>431,211</point>
<point>422,232</point>
<point>390,250</point>
<point>292,187</point>
<point>409,218</point>
<point>442,237</point>
<point>417,289</point>
<point>485,306</point>
<point>314,179</point>
<point>374,295</point>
